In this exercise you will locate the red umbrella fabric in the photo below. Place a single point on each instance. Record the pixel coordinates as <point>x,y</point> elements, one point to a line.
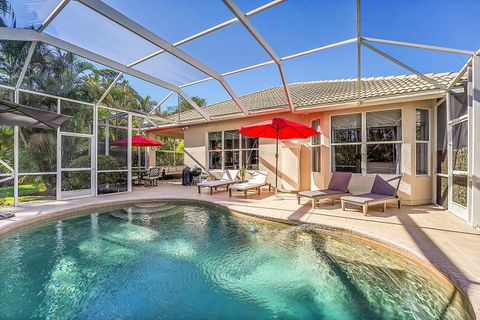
<point>138,141</point>
<point>279,129</point>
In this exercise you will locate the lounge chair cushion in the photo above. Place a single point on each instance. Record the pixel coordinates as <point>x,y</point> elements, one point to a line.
<point>258,179</point>
<point>319,193</point>
<point>382,187</point>
<point>230,175</point>
<point>365,198</point>
<point>340,181</point>
<point>214,183</point>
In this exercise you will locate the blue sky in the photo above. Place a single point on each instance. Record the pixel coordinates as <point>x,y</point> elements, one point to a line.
<point>290,27</point>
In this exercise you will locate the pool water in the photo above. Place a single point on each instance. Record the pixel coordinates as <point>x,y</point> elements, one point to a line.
<point>195,261</point>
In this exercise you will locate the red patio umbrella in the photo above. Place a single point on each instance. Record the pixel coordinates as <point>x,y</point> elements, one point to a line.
<point>138,141</point>
<point>279,129</point>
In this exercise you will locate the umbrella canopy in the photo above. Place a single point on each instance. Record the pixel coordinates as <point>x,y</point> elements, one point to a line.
<point>138,141</point>
<point>15,114</point>
<point>279,129</point>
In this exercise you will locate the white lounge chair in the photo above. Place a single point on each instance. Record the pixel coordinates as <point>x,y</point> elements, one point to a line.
<point>229,177</point>
<point>256,181</point>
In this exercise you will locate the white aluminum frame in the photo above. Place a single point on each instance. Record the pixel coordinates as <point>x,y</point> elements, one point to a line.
<point>116,17</point>
<point>242,17</point>
<point>474,143</point>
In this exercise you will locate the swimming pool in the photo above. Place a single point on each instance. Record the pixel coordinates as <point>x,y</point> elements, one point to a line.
<point>196,261</point>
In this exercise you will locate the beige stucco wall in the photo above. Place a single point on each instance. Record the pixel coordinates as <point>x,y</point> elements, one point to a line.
<point>295,156</point>
<point>195,140</point>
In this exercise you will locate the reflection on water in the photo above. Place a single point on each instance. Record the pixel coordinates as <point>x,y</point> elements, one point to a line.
<point>191,261</point>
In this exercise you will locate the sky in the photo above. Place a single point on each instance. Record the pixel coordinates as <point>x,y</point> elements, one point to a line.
<point>290,27</point>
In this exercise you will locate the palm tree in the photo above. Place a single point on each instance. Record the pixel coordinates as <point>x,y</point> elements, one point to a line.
<point>56,71</point>
<point>7,14</point>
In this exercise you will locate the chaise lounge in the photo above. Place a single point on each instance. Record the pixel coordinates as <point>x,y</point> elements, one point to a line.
<point>382,193</point>
<point>229,178</point>
<point>256,181</point>
<point>337,187</point>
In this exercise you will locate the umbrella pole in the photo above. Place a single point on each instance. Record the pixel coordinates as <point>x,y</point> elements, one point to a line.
<point>276,167</point>
<point>138,163</point>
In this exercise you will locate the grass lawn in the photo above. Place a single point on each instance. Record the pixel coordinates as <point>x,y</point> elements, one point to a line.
<point>24,193</point>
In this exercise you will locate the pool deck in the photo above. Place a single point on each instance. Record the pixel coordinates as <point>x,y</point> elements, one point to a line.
<point>428,233</point>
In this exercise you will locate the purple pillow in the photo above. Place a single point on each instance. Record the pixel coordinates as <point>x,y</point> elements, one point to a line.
<point>340,181</point>
<point>380,186</point>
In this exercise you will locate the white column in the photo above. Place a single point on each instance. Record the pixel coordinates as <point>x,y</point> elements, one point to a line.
<point>59,158</point>
<point>107,136</point>
<point>15,157</point>
<point>95,150</point>
<point>129,152</point>
<point>474,148</point>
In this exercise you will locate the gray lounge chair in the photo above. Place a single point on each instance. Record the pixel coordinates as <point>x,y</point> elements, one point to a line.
<point>229,177</point>
<point>382,193</point>
<point>256,181</point>
<point>337,187</point>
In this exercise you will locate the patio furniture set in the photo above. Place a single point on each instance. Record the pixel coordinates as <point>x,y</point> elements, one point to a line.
<point>382,192</point>
<point>230,181</point>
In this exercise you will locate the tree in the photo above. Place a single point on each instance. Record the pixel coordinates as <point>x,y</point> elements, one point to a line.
<point>7,15</point>
<point>184,106</point>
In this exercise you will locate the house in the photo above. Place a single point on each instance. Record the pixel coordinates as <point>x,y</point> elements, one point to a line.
<point>399,127</point>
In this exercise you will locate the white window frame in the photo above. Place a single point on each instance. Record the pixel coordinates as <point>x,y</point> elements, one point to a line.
<point>316,147</point>
<point>427,142</point>
<point>364,143</point>
<point>222,151</point>
<point>362,134</point>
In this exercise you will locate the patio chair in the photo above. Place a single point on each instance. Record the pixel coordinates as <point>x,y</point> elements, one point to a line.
<point>382,193</point>
<point>256,181</point>
<point>229,177</point>
<point>152,176</point>
<point>337,187</point>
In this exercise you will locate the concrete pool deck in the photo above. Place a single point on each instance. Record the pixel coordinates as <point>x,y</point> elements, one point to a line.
<point>428,233</point>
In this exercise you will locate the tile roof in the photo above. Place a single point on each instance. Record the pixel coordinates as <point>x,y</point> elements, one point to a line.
<point>315,94</point>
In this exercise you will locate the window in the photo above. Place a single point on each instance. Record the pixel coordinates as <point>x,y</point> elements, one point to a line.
<point>316,147</point>
<point>422,128</point>
<point>230,150</point>
<point>347,143</point>
<point>381,139</point>
<point>250,158</point>
<point>215,150</point>
<point>384,141</point>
